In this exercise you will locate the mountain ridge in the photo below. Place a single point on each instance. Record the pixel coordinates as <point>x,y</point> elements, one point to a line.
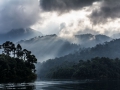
<point>19,34</point>
<point>108,49</point>
<point>49,46</point>
<point>52,46</point>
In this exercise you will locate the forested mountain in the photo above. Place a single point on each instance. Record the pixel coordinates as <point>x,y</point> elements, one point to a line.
<point>96,68</point>
<point>89,40</point>
<point>17,65</point>
<point>49,46</point>
<point>108,49</point>
<point>19,34</point>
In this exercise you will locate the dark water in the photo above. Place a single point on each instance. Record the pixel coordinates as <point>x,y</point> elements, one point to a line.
<point>65,85</point>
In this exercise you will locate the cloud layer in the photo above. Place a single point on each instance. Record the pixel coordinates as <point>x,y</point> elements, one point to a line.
<point>18,14</point>
<point>64,5</point>
<point>26,13</point>
<point>109,9</point>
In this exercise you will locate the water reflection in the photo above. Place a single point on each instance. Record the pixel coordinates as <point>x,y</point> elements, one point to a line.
<point>65,85</point>
<point>17,86</point>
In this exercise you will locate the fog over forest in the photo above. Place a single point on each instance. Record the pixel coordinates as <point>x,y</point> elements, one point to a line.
<point>60,33</point>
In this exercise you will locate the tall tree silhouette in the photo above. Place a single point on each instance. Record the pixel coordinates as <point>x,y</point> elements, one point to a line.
<point>25,53</point>
<point>13,49</point>
<point>7,46</point>
<point>19,51</point>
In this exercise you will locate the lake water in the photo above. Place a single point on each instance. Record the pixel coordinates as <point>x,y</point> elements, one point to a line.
<point>65,85</point>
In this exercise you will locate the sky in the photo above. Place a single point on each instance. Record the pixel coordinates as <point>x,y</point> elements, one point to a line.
<point>62,17</point>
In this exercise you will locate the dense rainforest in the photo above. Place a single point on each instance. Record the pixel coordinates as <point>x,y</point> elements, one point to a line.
<point>96,68</point>
<point>108,49</point>
<point>16,64</point>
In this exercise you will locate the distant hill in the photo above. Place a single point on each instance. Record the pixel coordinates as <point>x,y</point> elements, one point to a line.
<point>19,34</point>
<point>49,47</point>
<point>108,49</point>
<point>116,36</point>
<point>89,40</point>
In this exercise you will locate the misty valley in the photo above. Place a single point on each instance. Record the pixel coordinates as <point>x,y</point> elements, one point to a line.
<point>87,59</point>
<point>59,44</point>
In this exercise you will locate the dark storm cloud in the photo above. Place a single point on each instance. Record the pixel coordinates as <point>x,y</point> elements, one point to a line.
<point>18,14</point>
<point>109,9</point>
<point>64,5</point>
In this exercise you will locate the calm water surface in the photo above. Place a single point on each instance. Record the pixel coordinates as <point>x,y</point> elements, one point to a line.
<point>65,85</point>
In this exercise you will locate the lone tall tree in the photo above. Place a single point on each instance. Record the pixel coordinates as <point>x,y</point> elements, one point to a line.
<point>19,51</point>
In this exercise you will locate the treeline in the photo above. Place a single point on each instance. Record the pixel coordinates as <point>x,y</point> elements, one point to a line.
<point>96,68</point>
<point>16,65</point>
<point>108,49</point>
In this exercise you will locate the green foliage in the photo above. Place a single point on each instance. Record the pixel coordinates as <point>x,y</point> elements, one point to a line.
<point>16,65</point>
<point>96,68</point>
<point>108,49</point>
